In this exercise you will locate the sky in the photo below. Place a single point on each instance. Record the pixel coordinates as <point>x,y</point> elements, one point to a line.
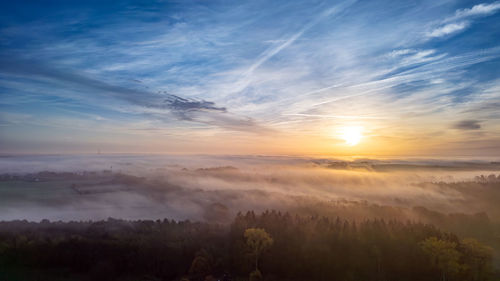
<point>411,78</point>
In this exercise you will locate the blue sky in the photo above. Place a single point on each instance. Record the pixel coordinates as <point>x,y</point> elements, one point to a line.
<point>419,77</point>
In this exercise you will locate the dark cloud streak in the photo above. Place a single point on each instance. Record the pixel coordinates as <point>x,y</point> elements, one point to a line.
<point>468,125</point>
<point>187,109</point>
<point>182,106</point>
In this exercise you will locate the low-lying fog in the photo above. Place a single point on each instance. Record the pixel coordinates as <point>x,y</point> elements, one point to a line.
<point>214,188</point>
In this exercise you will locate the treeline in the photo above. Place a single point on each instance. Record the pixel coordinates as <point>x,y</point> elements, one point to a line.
<point>297,248</point>
<point>486,179</point>
<point>104,176</point>
<point>318,248</point>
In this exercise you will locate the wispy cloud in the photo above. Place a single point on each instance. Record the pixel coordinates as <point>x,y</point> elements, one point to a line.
<point>291,69</point>
<point>462,19</point>
<point>287,42</point>
<point>477,10</point>
<point>188,109</point>
<point>448,29</point>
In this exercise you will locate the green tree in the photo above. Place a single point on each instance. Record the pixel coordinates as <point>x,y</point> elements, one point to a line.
<point>200,267</point>
<point>477,259</point>
<point>258,240</point>
<point>444,255</point>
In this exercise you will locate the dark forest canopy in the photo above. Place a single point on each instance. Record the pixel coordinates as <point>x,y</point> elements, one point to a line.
<point>303,248</point>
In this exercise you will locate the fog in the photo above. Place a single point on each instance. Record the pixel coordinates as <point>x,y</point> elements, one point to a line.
<point>215,188</point>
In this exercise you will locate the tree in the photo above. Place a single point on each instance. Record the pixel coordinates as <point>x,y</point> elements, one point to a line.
<point>258,240</point>
<point>444,255</point>
<point>199,268</point>
<point>255,275</point>
<point>477,259</point>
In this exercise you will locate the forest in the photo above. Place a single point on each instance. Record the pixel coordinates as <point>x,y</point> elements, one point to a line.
<point>266,246</point>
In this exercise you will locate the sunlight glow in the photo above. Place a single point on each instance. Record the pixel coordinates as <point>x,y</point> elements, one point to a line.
<point>351,135</point>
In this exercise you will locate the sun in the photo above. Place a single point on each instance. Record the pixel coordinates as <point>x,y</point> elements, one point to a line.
<point>351,135</point>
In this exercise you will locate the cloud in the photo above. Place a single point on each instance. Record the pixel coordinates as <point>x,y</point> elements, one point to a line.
<point>293,68</point>
<point>461,19</point>
<point>183,106</point>
<point>275,50</point>
<point>448,29</point>
<point>188,109</point>
<point>401,52</point>
<point>38,69</point>
<point>486,109</point>
<point>477,10</point>
<point>468,125</point>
